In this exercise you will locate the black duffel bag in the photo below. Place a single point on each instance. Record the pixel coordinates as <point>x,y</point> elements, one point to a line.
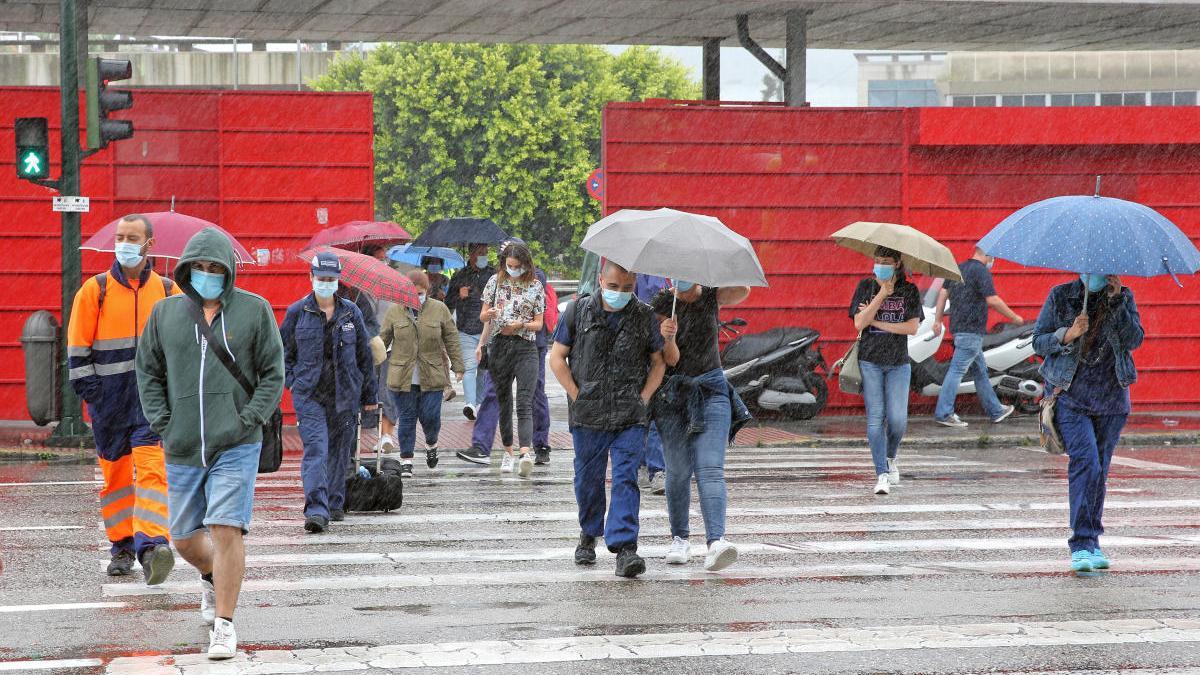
<point>381,489</point>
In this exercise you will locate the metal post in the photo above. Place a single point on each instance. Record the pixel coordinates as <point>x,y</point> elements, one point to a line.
<point>712,69</point>
<point>796,42</point>
<point>235,64</point>
<point>299,78</point>
<point>71,430</point>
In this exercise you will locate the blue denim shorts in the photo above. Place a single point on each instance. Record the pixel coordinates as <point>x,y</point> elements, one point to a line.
<point>219,494</point>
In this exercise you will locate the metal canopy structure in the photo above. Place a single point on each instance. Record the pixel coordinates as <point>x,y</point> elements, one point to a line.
<point>845,24</point>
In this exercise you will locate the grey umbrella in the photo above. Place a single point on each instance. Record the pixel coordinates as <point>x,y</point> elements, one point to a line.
<point>676,245</point>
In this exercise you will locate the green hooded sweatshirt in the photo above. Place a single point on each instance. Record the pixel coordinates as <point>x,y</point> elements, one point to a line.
<point>188,396</point>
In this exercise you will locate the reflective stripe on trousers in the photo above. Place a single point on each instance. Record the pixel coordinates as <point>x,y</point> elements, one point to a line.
<point>133,500</point>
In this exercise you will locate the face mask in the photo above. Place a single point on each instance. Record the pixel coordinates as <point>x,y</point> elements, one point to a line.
<point>481,261</point>
<point>324,289</point>
<point>208,286</point>
<point>684,286</point>
<point>884,272</point>
<point>1094,282</point>
<point>421,297</point>
<point>616,299</point>
<point>129,255</point>
<point>434,269</point>
<point>515,272</point>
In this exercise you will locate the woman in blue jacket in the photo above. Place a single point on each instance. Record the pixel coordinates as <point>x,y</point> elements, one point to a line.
<point>1089,366</point>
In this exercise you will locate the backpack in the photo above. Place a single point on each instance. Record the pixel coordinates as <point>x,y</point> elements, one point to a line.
<point>102,280</point>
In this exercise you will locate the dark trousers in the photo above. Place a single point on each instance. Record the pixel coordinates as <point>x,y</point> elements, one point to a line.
<point>488,416</point>
<point>514,359</point>
<point>592,450</point>
<point>328,438</point>
<point>1089,441</point>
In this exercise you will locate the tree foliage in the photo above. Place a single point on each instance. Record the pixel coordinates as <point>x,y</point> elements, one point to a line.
<point>509,132</point>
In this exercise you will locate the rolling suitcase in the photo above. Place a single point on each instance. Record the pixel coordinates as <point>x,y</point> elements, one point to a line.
<point>380,489</point>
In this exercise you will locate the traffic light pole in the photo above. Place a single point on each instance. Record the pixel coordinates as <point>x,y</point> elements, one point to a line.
<point>73,22</point>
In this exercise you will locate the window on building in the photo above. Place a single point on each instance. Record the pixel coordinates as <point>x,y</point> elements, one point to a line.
<point>902,93</point>
<point>1185,98</point>
<point>1162,98</point>
<point>962,101</point>
<point>1133,98</point>
<point>1010,101</point>
<point>1083,99</point>
<point>1035,100</point>
<point>1110,99</point>
<point>985,101</point>
<point>1060,99</point>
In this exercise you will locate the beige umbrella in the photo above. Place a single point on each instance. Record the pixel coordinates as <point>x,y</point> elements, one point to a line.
<point>920,252</point>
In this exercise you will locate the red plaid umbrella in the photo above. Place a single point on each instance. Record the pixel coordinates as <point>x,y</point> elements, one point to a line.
<point>358,233</point>
<point>371,276</point>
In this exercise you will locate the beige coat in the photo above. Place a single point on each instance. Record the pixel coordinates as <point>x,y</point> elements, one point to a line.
<point>421,343</point>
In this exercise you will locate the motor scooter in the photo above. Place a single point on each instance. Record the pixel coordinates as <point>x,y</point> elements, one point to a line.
<point>777,370</point>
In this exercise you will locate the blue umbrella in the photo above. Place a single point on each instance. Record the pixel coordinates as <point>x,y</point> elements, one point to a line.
<point>413,255</point>
<point>1097,235</point>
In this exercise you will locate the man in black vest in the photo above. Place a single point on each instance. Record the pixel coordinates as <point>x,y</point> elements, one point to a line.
<point>607,355</point>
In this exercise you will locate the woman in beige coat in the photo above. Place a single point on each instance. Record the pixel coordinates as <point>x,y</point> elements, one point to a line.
<point>419,340</point>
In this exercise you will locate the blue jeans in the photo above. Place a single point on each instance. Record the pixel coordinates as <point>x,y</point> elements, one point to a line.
<point>413,405</point>
<point>653,459</point>
<point>221,493</point>
<point>592,449</point>
<point>541,404</point>
<point>1089,441</point>
<point>328,438</point>
<point>701,453</point>
<point>885,391</point>
<point>470,377</point>
<point>487,418</point>
<point>968,355</point>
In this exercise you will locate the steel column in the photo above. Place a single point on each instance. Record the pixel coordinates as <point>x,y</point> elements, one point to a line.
<point>712,69</point>
<point>796,44</point>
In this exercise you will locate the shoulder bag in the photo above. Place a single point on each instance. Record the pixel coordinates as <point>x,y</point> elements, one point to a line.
<point>1048,432</point>
<point>271,455</point>
<point>849,373</point>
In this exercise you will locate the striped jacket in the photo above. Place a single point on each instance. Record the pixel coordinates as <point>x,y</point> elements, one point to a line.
<point>101,346</point>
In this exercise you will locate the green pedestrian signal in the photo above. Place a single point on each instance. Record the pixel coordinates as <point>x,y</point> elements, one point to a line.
<point>33,148</point>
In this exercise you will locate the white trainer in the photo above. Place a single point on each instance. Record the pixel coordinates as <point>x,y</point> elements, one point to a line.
<point>680,552</point>
<point>883,485</point>
<point>387,443</point>
<point>506,464</point>
<point>721,554</point>
<point>222,641</point>
<point>953,421</point>
<point>525,466</point>
<point>208,602</point>
<point>894,471</point>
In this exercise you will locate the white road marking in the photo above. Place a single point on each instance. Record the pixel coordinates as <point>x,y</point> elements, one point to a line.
<point>61,607</point>
<point>1146,464</point>
<point>51,665</point>
<point>53,482</point>
<point>36,528</point>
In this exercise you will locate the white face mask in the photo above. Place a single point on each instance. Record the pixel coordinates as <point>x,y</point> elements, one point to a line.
<point>324,289</point>
<point>515,272</point>
<point>129,255</point>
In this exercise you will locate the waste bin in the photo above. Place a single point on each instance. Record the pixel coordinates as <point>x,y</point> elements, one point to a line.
<point>40,342</point>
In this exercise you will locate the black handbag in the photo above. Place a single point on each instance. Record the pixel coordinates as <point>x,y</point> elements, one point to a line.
<point>271,455</point>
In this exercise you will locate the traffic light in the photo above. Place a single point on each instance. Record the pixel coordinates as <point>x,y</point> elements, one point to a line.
<point>33,148</point>
<point>101,101</point>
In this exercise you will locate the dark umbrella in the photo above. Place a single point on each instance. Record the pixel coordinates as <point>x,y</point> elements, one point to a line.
<point>359,233</point>
<point>461,231</point>
<point>171,234</point>
<point>371,276</point>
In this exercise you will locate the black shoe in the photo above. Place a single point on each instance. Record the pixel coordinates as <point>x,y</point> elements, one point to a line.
<point>585,552</point>
<point>431,457</point>
<point>337,516</point>
<point>406,468</point>
<point>541,455</point>
<point>122,563</point>
<point>157,564</point>
<point>629,563</point>
<point>315,524</point>
<point>474,455</point>
<point>469,412</point>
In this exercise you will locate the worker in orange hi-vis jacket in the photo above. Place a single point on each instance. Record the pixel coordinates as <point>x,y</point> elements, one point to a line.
<point>107,317</point>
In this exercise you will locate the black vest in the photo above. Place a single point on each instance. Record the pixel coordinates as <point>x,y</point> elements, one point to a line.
<point>610,367</point>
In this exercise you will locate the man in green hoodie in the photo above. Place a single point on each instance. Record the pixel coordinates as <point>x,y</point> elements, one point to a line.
<point>210,426</point>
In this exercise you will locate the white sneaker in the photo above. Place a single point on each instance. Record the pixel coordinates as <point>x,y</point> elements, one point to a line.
<point>721,554</point>
<point>506,464</point>
<point>894,471</point>
<point>680,552</point>
<point>643,478</point>
<point>953,421</point>
<point>1008,411</point>
<point>208,602</point>
<point>222,641</point>
<point>883,485</point>
<point>525,466</point>
<point>387,443</point>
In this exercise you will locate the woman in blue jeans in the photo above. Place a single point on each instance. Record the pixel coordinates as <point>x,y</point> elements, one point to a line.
<point>886,309</point>
<point>694,413</point>
<point>1088,365</point>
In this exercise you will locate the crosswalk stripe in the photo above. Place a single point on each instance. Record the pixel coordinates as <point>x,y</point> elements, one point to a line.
<point>62,607</point>
<point>52,665</point>
<point>827,571</point>
<point>653,646</point>
<point>46,483</point>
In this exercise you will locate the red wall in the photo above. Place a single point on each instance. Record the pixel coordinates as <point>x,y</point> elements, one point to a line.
<point>787,178</point>
<point>258,163</point>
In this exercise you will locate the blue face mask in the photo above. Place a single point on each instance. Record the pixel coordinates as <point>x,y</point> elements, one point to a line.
<point>884,272</point>
<point>1094,282</point>
<point>481,261</point>
<point>129,255</point>
<point>434,269</point>
<point>515,273</point>
<point>208,286</point>
<point>323,289</point>
<point>684,286</point>
<point>616,299</point>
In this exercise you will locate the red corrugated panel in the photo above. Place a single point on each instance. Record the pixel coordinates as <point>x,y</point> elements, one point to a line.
<point>259,163</point>
<point>787,178</point>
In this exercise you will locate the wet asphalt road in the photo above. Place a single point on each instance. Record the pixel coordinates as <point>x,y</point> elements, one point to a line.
<point>960,569</point>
